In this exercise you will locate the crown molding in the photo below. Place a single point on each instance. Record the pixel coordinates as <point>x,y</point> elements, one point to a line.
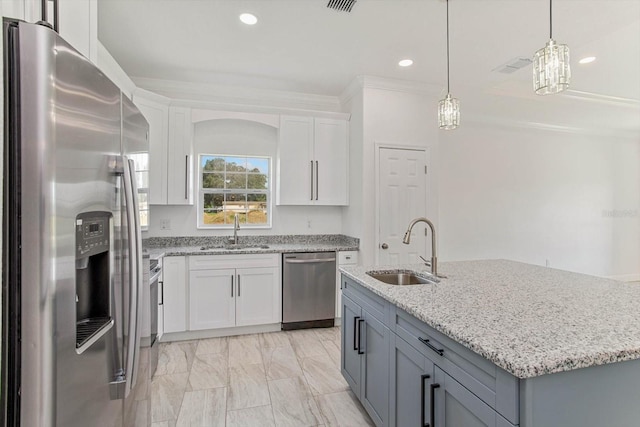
<point>602,99</point>
<point>237,97</point>
<point>151,96</point>
<point>383,83</point>
<point>498,122</point>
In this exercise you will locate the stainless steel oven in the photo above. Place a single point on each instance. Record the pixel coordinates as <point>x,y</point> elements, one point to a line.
<point>155,272</point>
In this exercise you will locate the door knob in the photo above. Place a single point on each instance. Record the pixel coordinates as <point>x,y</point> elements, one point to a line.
<point>384,246</point>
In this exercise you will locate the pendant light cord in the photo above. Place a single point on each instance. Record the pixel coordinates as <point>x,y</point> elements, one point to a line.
<point>448,47</point>
<point>550,20</point>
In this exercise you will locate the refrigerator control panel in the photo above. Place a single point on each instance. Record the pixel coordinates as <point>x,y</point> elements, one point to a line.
<point>92,233</point>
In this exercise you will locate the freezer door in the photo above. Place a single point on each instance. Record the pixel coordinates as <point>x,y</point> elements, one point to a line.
<point>69,137</point>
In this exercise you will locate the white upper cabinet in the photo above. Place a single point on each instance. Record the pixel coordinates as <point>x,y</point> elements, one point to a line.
<point>180,157</point>
<point>155,109</point>
<point>170,149</point>
<point>313,158</point>
<point>78,21</point>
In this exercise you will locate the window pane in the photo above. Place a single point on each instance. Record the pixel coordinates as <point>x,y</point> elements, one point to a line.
<point>212,163</point>
<point>236,181</point>
<point>213,180</point>
<point>257,209</point>
<point>258,165</point>
<point>143,203</point>
<point>142,179</point>
<point>213,209</point>
<point>257,182</point>
<point>235,204</point>
<point>236,164</point>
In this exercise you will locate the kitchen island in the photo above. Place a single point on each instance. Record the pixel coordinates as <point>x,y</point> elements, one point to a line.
<point>496,343</point>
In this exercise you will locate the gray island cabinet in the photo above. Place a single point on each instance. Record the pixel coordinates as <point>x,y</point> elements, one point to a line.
<point>407,373</point>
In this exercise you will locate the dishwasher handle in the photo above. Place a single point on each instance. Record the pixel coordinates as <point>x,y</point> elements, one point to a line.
<point>307,261</point>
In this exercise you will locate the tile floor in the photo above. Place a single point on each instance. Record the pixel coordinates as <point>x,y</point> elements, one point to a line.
<point>273,379</point>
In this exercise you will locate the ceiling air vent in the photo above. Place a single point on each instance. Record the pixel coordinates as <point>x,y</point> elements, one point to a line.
<point>513,65</point>
<point>343,5</point>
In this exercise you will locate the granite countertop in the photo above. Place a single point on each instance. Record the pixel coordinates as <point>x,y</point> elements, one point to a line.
<point>179,246</point>
<point>527,319</point>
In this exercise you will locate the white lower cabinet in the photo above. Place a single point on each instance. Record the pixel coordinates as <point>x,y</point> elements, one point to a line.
<point>234,290</point>
<point>174,294</point>
<point>344,258</point>
<point>212,299</point>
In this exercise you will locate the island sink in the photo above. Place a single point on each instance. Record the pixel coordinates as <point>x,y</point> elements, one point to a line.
<point>402,277</point>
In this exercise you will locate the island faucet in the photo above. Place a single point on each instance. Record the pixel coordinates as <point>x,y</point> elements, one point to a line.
<point>236,227</point>
<point>407,239</point>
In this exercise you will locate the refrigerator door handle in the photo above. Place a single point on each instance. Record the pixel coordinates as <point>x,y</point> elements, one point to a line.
<point>135,273</point>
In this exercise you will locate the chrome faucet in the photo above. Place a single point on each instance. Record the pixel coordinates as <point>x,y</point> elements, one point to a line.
<point>407,239</point>
<point>236,227</point>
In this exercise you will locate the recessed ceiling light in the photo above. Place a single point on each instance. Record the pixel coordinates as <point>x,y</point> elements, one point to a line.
<point>248,18</point>
<point>405,63</point>
<point>587,60</point>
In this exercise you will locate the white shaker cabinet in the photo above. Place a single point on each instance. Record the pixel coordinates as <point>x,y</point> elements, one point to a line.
<point>170,149</point>
<point>313,158</point>
<point>344,258</point>
<point>174,294</point>
<point>155,109</point>
<point>212,301</point>
<point>234,290</point>
<point>180,157</point>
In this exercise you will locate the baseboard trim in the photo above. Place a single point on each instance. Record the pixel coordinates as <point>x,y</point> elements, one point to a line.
<point>222,332</point>
<point>626,277</point>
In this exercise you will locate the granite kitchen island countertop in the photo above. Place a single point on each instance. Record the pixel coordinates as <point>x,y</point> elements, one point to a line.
<point>526,319</point>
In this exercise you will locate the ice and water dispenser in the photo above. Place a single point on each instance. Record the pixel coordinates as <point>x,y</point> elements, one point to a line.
<point>93,277</point>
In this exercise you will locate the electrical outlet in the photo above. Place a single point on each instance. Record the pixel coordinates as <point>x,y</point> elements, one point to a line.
<point>547,263</point>
<point>308,223</point>
<point>165,224</point>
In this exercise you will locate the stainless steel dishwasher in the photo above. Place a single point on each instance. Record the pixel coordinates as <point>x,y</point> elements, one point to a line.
<point>308,290</point>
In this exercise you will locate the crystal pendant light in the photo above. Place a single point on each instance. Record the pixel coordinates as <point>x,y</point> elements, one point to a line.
<point>551,70</point>
<point>448,108</point>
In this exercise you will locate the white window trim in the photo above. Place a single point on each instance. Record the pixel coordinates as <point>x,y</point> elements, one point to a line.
<point>200,222</point>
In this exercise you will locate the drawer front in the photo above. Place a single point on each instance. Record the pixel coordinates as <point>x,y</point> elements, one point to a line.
<point>494,386</point>
<point>209,262</point>
<point>347,258</point>
<point>374,304</point>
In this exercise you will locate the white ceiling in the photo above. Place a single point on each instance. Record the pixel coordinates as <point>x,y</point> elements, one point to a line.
<point>302,46</point>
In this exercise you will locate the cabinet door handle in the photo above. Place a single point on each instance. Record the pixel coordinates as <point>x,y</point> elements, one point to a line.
<point>422,396</point>
<point>232,286</point>
<point>161,284</point>
<point>440,351</point>
<point>186,177</point>
<point>355,333</point>
<point>432,414</point>
<point>238,285</point>
<point>311,180</point>
<point>317,167</point>
<point>360,322</point>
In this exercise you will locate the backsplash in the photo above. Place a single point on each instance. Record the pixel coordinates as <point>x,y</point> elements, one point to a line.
<point>160,242</point>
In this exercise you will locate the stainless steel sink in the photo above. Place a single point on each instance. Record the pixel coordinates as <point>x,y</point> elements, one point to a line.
<point>402,277</point>
<point>232,247</point>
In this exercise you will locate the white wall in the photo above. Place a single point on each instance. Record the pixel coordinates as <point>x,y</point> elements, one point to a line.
<point>534,195</point>
<point>389,117</point>
<point>243,137</point>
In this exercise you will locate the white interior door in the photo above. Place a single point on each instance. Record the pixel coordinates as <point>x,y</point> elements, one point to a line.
<point>402,196</point>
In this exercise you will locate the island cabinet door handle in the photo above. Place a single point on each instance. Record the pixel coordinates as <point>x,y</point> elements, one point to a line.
<point>355,333</point>
<point>232,286</point>
<point>360,322</point>
<point>238,285</point>
<point>422,396</point>
<point>440,351</point>
<point>432,412</point>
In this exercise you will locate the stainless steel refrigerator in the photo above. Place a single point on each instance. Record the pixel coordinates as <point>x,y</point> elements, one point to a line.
<point>72,265</point>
